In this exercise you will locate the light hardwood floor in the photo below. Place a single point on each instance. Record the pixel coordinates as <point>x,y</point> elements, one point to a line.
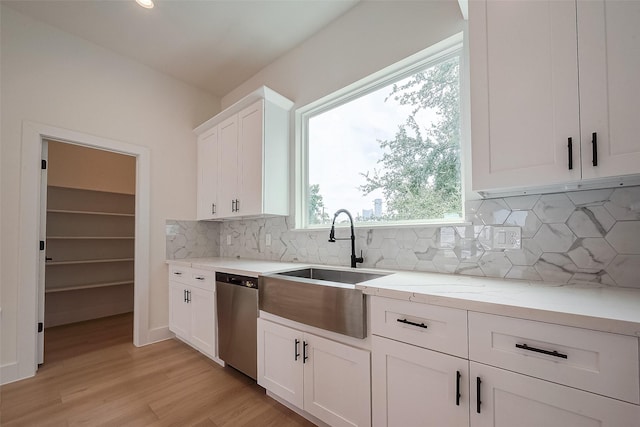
<point>94,376</point>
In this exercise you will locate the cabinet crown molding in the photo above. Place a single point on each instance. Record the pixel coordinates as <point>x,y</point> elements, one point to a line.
<point>264,92</point>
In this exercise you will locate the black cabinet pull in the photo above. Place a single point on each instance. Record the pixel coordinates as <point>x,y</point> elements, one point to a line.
<point>199,278</point>
<point>237,205</point>
<point>233,206</point>
<point>408,322</point>
<point>570,149</point>
<point>594,146</point>
<point>478,400</point>
<point>177,273</point>
<point>213,208</point>
<point>458,375</point>
<point>295,352</point>
<point>184,294</point>
<point>304,352</point>
<point>539,350</point>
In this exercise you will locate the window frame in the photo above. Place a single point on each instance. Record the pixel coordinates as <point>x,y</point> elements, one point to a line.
<point>446,49</point>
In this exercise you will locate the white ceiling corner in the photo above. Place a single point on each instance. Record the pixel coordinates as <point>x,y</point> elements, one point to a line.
<point>214,45</point>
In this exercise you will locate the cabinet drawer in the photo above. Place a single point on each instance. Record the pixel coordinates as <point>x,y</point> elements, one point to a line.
<point>203,279</point>
<point>599,362</point>
<point>179,274</point>
<point>437,328</point>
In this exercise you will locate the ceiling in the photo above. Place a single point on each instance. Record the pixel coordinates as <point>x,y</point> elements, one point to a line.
<point>214,45</point>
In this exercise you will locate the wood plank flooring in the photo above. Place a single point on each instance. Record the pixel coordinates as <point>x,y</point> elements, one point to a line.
<point>94,376</point>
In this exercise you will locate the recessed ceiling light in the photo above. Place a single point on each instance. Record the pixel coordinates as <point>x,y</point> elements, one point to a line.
<point>147,4</point>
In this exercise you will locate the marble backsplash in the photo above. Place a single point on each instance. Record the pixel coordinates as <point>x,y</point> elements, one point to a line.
<point>581,236</point>
<point>192,239</point>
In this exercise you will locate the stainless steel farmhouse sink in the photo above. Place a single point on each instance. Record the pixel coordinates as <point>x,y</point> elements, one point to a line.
<point>321,297</point>
<point>350,277</point>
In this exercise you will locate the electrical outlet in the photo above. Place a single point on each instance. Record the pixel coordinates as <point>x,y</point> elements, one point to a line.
<point>228,239</point>
<point>267,238</point>
<point>507,238</point>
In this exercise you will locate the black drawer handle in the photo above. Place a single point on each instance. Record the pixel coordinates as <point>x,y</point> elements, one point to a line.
<point>408,322</point>
<point>478,400</point>
<point>199,278</point>
<point>177,273</point>
<point>296,351</point>
<point>304,352</point>
<point>594,147</point>
<point>458,375</point>
<point>570,149</point>
<point>539,350</point>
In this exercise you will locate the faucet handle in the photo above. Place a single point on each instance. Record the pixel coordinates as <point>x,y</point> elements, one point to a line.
<point>360,259</point>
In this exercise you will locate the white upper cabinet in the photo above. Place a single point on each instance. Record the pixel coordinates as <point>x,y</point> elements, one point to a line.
<point>250,146</point>
<point>229,166</point>
<point>208,176</point>
<point>546,75</point>
<point>250,174</point>
<point>609,63</point>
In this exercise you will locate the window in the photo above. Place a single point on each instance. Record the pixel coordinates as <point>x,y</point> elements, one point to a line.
<point>388,152</point>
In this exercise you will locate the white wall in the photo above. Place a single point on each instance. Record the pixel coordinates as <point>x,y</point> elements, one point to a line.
<point>51,77</point>
<point>368,38</point>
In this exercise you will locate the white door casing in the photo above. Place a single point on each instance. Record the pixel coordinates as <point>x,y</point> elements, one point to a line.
<point>29,230</point>
<point>43,253</point>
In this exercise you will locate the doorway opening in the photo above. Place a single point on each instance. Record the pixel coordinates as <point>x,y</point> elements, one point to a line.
<point>33,135</point>
<point>88,204</point>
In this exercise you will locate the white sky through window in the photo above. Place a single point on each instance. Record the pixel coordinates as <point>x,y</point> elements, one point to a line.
<point>343,143</point>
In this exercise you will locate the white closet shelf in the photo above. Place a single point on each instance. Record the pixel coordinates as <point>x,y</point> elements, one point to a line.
<point>91,286</point>
<point>88,261</point>
<point>90,237</point>
<point>89,212</point>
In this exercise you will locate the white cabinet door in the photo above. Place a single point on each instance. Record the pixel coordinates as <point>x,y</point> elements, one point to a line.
<point>524,92</point>
<point>508,399</point>
<point>203,320</point>
<point>337,382</point>
<point>609,55</point>
<point>412,386</point>
<point>280,368</point>
<point>327,379</point>
<point>250,146</point>
<point>179,313</point>
<point>229,166</point>
<point>207,174</point>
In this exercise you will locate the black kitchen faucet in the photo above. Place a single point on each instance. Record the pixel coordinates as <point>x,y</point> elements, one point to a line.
<point>332,237</point>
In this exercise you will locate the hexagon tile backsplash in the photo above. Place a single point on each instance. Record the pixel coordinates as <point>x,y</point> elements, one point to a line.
<point>582,236</point>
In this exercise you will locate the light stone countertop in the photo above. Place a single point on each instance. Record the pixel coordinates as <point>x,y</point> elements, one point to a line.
<point>603,308</point>
<point>245,267</point>
<point>597,307</point>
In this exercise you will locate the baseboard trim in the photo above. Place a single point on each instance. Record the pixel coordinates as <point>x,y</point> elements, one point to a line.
<point>159,334</point>
<point>9,373</point>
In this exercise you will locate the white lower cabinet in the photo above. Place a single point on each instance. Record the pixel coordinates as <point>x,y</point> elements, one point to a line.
<point>518,373</point>
<point>413,386</point>
<point>179,310</point>
<point>192,315</point>
<point>501,398</point>
<point>325,378</point>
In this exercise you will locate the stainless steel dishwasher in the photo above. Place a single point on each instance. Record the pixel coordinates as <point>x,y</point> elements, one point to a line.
<point>237,306</point>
